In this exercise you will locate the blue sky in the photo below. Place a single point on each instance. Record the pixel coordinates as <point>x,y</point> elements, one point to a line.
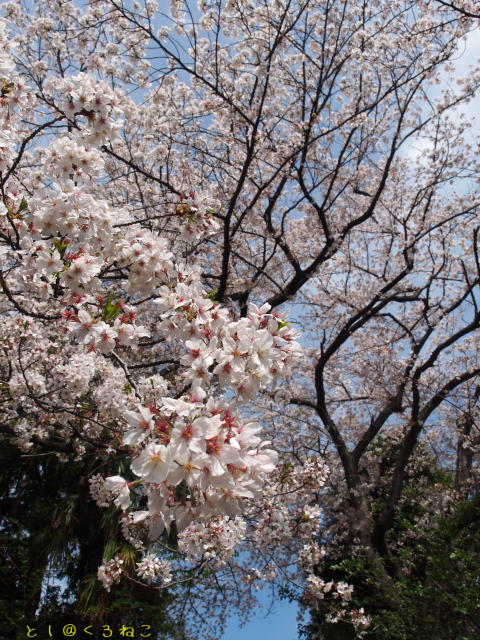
<point>280,624</point>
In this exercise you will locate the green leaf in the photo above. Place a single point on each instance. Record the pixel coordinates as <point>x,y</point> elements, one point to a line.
<point>22,206</point>
<point>60,245</point>
<point>111,310</point>
<point>212,295</point>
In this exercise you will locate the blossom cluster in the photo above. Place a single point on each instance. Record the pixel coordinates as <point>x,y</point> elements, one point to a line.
<point>317,588</point>
<point>14,99</point>
<point>197,214</point>
<point>217,538</point>
<point>82,97</point>
<point>246,354</point>
<point>96,286</point>
<point>110,572</point>
<point>151,567</point>
<point>340,593</point>
<point>217,458</point>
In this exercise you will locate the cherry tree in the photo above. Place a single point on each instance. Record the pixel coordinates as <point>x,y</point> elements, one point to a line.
<point>189,192</point>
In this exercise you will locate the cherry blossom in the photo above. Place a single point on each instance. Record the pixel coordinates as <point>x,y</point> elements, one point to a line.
<point>176,201</point>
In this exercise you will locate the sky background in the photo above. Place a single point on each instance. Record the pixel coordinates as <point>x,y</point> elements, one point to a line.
<point>280,624</point>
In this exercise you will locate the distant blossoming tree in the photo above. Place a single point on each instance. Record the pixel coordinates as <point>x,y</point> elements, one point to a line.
<point>173,181</point>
